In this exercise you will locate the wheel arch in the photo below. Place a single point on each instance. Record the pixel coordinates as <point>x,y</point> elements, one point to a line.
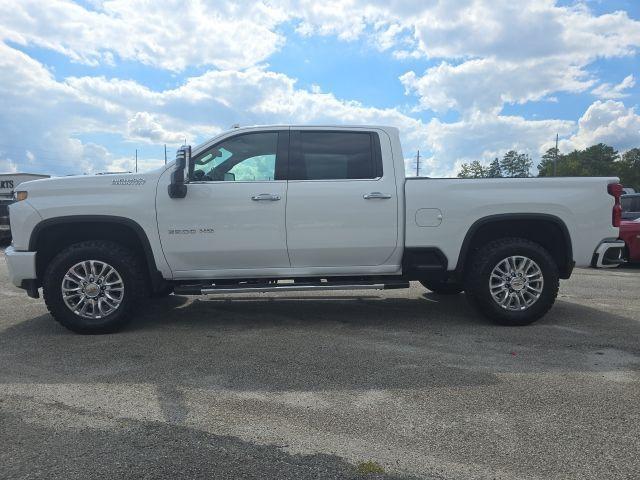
<point>50,236</point>
<point>547,230</point>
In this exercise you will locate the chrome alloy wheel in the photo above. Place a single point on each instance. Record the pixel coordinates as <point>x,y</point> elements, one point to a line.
<point>92,289</point>
<point>516,283</point>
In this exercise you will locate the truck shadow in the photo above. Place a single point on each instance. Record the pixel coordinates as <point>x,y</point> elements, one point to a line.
<point>319,343</point>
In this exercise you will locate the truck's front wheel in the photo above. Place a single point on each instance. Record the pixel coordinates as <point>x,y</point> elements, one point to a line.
<point>93,286</point>
<point>513,281</point>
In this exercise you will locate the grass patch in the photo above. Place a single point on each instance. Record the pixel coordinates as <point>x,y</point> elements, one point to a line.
<point>365,468</point>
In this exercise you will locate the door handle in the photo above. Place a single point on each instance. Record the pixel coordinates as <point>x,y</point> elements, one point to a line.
<point>266,196</point>
<point>372,195</point>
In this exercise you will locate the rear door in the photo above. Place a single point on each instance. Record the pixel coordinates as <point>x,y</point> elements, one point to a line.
<point>342,201</point>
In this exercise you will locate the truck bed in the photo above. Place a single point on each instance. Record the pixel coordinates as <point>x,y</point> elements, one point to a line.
<point>440,212</point>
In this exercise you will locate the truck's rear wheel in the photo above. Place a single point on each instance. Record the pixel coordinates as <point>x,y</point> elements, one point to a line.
<point>93,286</point>
<point>442,288</point>
<point>513,281</point>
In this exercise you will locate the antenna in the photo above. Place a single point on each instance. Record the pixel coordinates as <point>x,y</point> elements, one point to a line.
<point>555,158</point>
<point>165,153</point>
<point>418,164</point>
<point>136,160</point>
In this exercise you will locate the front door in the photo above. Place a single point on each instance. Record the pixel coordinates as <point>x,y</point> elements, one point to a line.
<point>233,216</point>
<point>342,203</point>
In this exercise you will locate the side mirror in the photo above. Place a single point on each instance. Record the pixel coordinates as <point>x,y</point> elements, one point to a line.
<point>177,188</point>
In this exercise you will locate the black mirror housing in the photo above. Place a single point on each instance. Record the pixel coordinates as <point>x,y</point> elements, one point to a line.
<point>178,188</point>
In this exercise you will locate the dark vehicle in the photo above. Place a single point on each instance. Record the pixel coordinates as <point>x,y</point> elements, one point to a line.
<point>5,232</point>
<point>8,183</point>
<point>630,206</point>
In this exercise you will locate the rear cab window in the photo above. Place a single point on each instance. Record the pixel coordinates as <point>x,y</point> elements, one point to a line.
<point>334,155</point>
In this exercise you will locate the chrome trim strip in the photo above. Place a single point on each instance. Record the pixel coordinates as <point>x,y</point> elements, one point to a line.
<point>291,288</point>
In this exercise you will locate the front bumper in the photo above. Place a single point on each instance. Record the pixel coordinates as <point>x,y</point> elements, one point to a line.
<point>609,254</point>
<point>22,267</point>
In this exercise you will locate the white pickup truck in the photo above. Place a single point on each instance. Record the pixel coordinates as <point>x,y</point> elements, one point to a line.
<point>282,208</point>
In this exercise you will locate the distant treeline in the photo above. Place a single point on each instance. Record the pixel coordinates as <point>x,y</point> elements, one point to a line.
<point>596,161</point>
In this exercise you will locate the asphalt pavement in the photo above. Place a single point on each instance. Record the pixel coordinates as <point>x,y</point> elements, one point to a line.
<point>312,385</point>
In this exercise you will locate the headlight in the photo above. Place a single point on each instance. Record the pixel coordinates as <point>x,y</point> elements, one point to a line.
<point>20,195</point>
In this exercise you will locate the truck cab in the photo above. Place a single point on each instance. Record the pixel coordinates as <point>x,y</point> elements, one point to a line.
<point>281,208</point>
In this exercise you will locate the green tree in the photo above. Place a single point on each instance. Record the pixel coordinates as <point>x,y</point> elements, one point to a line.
<point>472,170</point>
<point>595,161</point>
<point>545,167</point>
<point>599,160</point>
<point>495,169</point>
<point>628,168</point>
<point>516,164</point>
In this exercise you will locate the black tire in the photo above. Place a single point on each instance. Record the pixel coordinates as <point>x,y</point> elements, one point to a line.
<point>442,288</point>
<point>483,262</point>
<point>122,259</point>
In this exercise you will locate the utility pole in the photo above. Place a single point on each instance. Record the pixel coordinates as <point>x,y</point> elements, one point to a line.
<point>555,158</point>
<point>418,164</point>
<point>136,160</point>
<point>165,153</point>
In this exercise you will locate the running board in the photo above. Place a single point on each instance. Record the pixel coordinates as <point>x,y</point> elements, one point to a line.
<point>286,287</point>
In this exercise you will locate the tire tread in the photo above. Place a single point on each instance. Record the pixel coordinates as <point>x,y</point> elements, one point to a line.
<point>135,292</point>
<point>486,305</point>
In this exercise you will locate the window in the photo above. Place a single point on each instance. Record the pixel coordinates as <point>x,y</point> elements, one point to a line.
<point>248,157</point>
<point>630,207</point>
<point>326,155</point>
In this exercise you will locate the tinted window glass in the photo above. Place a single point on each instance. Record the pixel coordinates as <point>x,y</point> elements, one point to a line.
<point>244,158</point>
<point>332,156</point>
<point>630,203</point>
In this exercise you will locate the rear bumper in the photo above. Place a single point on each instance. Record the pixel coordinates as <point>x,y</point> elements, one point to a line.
<point>21,266</point>
<point>609,254</point>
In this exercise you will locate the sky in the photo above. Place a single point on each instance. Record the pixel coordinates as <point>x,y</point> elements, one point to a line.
<point>84,84</point>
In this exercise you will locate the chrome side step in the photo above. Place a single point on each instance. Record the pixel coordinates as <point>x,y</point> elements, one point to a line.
<point>286,287</point>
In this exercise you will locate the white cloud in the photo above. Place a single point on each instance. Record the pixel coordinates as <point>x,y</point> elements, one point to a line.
<point>7,165</point>
<point>145,126</point>
<point>609,91</point>
<point>497,51</point>
<point>487,84</point>
<point>168,34</point>
<point>513,52</point>
<point>46,116</point>
<point>608,122</point>
<point>483,136</point>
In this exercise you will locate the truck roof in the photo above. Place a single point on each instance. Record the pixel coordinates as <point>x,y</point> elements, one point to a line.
<point>199,147</point>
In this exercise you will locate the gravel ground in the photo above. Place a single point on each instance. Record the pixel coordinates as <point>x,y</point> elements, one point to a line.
<point>308,386</point>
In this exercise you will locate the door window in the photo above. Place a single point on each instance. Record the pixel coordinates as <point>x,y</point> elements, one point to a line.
<point>248,157</point>
<point>327,155</point>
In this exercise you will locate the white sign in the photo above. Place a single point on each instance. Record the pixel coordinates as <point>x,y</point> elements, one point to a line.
<point>9,181</point>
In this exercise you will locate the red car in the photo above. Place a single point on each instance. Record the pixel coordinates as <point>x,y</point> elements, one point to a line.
<point>630,225</point>
<point>630,233</point>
